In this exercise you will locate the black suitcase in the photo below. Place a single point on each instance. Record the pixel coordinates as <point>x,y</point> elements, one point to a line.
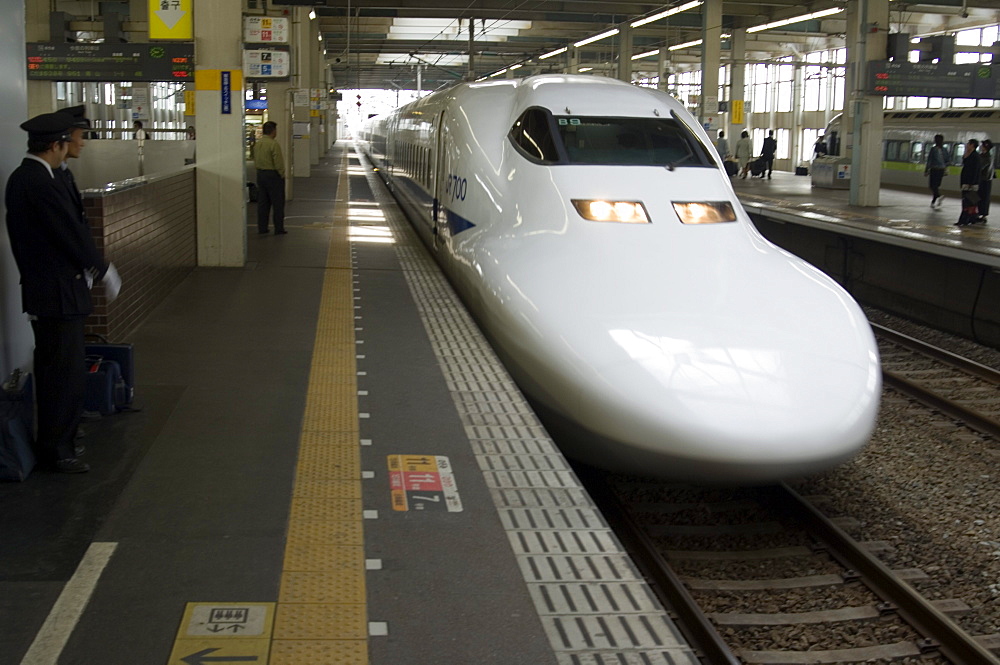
<point>123,354</point>
<point>17,456</point>
<point>757,167</point>
<point>106,389</point>
<point>731,167</point>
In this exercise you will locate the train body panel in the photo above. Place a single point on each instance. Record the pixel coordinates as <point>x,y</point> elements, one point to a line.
<point>679,349</point>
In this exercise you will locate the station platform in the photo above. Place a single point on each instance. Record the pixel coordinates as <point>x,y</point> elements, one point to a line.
<point>902,218</point>
<point>329,466</point>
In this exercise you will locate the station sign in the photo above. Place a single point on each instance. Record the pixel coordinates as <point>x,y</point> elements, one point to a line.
<point>423,483</point>
<point>265,29</point>
<point>171,19</point>
<point>52,61</point>
<point>261,64</point>
<point>926,79</point>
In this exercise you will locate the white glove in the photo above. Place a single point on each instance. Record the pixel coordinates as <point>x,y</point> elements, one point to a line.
<point>112,282</point>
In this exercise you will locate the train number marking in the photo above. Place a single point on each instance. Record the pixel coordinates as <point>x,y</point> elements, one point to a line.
<point>455,187</point>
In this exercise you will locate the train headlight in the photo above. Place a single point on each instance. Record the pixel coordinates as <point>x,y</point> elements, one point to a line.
<point>599,210</point>
<point>705,212</point>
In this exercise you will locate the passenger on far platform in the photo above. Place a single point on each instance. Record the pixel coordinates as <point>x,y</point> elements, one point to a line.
<point>722,145</point>
<point>770,147</point>
<point>937,164</point>
<point>744,153</point>
<point>819,148</point>
<point>986,175</point>
<point>270,180</point>
<point>969,180</point>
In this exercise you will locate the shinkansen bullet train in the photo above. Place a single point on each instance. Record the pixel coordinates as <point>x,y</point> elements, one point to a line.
<point>908,135</point>
<point>589,228</point>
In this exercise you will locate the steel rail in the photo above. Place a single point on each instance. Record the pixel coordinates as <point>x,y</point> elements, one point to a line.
<point>945,636</point>
<point>968,366</point>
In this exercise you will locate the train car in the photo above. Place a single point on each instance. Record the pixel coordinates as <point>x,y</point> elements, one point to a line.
<point>908,135</point>
<point>590,229</point>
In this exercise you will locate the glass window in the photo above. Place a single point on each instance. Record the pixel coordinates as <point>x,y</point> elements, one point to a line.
<point>917,153</point>
<point>891,151</point>
<point>532,133</point>
<point>630,141</point>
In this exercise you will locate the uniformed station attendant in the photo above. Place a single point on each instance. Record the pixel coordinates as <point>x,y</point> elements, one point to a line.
<point>270,167</point>
<point>58,261</point>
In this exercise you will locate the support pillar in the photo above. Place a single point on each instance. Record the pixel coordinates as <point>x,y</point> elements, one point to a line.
<point>221,171</point>
<point>302,43</point>
<point>625,53</point>
<point>711,57</point>
<point>737,86</point>
<point>867,27</point>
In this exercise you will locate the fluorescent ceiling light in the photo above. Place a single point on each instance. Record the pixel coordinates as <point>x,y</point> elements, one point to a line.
<point>647,54</point>
<point>312,14</point>
<point>669,12</point>
<point>696,42</point>
<point>553,53</point>
<point>584,69</point>
<point>502,71</point>
<point>796,19</point>
<point>590,40</point>
<point>433,58</point>
<point>453,29</point>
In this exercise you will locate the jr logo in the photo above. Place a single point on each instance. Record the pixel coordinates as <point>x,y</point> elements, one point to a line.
<point>455,187</point>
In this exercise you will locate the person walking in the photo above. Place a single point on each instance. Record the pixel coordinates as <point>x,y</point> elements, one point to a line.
<point>722,145</point>
<point>937,164</point>
<point>969,180</point>
<point>744,153</point>
<point>270,180</point>
<point>987,173</point>
<point>58,261</point>
<point>770,147</point>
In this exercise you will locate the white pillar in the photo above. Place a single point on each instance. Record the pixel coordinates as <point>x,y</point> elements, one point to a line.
<point>711,57</point>
<point>737,86</point>
<point>625,53</point>
<point>300,157</point>
<point>867,26</point>
<point>221,166</point>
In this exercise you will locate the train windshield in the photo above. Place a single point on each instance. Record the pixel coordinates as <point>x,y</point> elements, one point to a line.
<point>630,141</point>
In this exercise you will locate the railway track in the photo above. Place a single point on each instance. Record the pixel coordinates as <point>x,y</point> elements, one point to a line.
<point>758,575</point>
<point>957,387</point>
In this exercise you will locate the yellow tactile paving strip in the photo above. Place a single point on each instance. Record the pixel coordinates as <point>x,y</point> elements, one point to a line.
<point>321,615</point>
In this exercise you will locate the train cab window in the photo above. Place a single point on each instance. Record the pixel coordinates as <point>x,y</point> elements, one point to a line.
<point>631,141</point>
<point>532,133</point>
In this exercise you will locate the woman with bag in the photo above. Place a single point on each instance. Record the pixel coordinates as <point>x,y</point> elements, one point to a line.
<point>969,179</point>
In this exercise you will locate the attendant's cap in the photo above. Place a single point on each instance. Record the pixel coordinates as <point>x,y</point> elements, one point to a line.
<point>79,115</point>
<point>49,127</point>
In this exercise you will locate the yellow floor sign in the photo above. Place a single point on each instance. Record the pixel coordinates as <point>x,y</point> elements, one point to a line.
<point>213,633</point>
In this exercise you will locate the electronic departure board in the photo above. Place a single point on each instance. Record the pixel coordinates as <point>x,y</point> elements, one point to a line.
<point>110,62</point>
<point>905,79</point>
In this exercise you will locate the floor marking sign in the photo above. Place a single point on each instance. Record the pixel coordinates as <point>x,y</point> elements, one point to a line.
<point>224,633</point>
<point>423,482</point>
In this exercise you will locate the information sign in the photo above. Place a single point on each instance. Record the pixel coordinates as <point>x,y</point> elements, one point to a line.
<point>171,19</point>
<point>265,29</point>
<point>259,64</point>
<point>423,482</point>
<point>110,62</point>
<point>905,79</point>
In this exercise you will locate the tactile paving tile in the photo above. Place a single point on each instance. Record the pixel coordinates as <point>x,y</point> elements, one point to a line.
<point>566,542</point>
<point>339,586</point>
<point>604,598</point>
<point>333,532</point>
<point>534,497</point>
<point>319,652</point>
<point>320,621</point>
<point>675,656</point>
<point>312,556</point>
<point>325,488</point>
<point>642,631</point>
<point>325,509</point>
<point>328,462</point>
<point>577,568</point>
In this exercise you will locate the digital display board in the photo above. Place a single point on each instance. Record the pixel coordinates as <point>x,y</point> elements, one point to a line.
<point>110,62</point>
<point>918,79</point>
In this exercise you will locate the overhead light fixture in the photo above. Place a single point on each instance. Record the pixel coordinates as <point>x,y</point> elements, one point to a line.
<point>590,40</point>
<point>669,12</point>
<point>796,19</point>
<point>584,69</point>
<point>553,53</point>
<point>502,71</point>
<point>513,67</point>
<point>696,42</point>
<point>312,14</point>
<point>647,54</point>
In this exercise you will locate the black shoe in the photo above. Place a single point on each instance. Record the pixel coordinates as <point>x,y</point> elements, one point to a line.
<point>280,233</point>
<point>79,450</point>
<point>263,233</point>
<point>72,465</point>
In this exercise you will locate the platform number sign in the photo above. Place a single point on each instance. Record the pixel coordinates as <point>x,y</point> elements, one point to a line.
<point>423,482</point>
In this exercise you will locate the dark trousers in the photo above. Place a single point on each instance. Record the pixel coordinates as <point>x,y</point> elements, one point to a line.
<point>985,189</point>
<point>768,165</point>
<point>934,180</point>
<point>60,384</point>
<point>270,192</point>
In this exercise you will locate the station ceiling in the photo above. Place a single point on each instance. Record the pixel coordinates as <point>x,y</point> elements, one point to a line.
<point>379,43</point>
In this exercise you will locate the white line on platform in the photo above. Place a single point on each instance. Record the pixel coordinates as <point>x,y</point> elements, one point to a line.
<point>66,612</point>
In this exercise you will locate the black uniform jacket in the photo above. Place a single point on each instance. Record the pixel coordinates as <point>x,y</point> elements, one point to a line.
<point>51,243</point>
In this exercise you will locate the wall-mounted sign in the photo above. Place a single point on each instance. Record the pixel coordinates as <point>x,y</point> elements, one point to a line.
<point>110,62</point>
<point>266,64</point>
<point>265,29</point>
<point>171,19</point>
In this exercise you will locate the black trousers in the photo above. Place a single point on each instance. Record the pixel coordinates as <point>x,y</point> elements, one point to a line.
<point>985,190</point>
<point>270,192</point>
<point>60,384</point>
